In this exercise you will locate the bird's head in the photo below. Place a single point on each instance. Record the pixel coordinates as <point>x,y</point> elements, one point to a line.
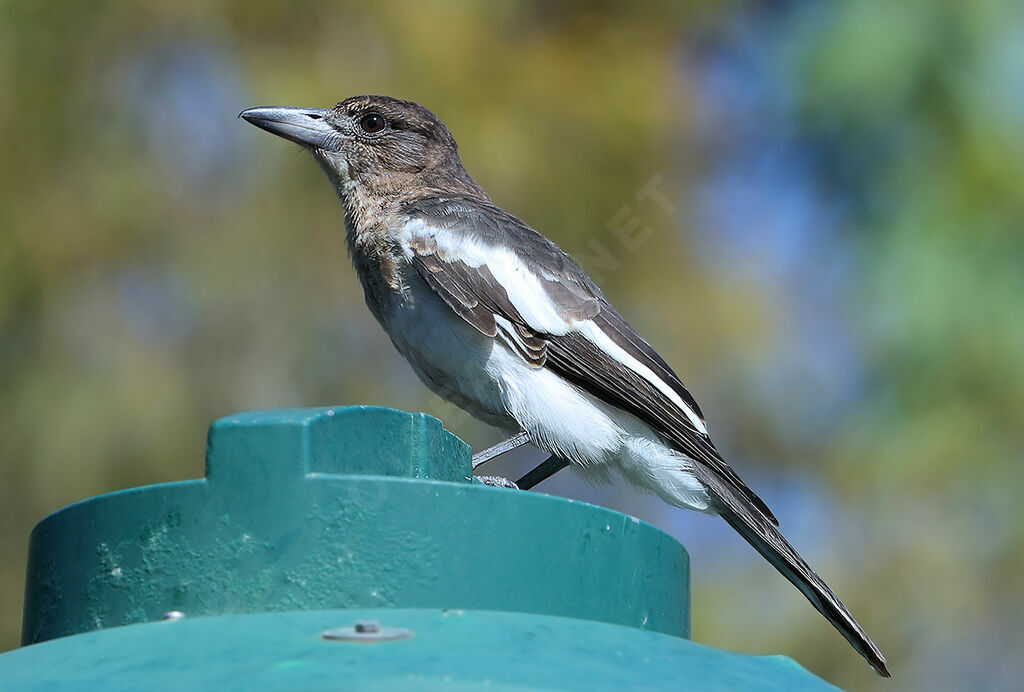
<point>382,145</point>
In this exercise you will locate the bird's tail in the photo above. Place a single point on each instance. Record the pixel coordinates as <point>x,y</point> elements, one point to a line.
<point>767,540</point>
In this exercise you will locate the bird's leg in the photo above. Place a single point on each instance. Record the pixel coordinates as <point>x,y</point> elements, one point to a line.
<point>547,468</point>
<point>480,458</point>
<point>517,440</point>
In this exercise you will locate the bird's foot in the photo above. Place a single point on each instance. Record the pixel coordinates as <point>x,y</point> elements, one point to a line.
<point>497,482</point>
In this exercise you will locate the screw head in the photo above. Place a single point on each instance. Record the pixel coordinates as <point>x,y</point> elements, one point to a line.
<point>367,631</point>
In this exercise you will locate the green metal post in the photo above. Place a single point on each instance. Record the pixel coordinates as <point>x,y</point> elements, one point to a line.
<point>314,519</point>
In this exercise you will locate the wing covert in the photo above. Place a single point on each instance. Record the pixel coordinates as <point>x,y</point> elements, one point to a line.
<point>553,315</point>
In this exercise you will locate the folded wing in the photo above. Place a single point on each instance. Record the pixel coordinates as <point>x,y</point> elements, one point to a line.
<point>510,282</point>
<point>507,280</point>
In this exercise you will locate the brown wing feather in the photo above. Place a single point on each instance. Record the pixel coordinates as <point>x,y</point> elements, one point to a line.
<point>473,291</point>
<point>577,359</point>
<point>446,285</point>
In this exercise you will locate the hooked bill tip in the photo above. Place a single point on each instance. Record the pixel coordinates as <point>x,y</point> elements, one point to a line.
<point>305,126</point>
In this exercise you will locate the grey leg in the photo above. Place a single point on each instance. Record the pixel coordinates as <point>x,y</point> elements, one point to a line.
<point>517,440</point>
<point>543,471</point>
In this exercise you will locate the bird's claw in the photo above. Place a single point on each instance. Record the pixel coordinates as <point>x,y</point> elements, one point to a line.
<point>497,482</point>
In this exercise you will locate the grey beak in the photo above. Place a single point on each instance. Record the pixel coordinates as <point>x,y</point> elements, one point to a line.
<point>304,126</point>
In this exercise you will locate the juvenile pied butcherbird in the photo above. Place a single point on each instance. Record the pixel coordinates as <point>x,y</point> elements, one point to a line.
<point>495,318</point>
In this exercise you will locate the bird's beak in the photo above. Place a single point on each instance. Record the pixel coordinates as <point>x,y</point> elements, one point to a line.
<point>305,126</point>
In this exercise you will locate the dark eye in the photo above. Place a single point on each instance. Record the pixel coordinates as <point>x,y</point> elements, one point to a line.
<point>372,122</point>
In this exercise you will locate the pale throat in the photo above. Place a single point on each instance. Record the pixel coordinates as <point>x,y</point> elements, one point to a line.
<point>370,224</point>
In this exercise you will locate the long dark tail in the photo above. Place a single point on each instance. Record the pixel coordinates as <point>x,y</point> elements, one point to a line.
<point>766,539</point>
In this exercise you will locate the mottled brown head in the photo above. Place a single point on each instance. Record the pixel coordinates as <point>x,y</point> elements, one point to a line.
<point>383,146</point>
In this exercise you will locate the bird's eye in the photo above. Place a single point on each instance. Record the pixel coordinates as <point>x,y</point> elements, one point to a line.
<point>373,122</point>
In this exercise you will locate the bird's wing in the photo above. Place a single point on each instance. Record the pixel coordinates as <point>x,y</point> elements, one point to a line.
<point>509,281</point>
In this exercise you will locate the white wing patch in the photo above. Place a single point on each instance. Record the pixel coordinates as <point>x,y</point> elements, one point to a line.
<point>590,330</point>
<point>524,289</point>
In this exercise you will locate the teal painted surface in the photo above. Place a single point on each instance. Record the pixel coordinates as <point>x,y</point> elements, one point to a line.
<point>357,507</point>
<point>453,650</point>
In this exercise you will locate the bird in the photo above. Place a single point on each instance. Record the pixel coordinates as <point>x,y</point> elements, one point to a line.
<point>498,320</point>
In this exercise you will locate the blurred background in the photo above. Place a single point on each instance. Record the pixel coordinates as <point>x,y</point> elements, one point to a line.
<point>823,205</point>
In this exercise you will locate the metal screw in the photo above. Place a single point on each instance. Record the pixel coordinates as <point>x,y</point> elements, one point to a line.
<point>368,631</point>
<point>174,615</point>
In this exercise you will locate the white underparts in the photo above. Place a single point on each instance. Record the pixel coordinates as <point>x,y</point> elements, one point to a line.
<point>563,419</point>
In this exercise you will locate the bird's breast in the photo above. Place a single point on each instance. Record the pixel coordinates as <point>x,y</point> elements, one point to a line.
<point>447,353</point>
